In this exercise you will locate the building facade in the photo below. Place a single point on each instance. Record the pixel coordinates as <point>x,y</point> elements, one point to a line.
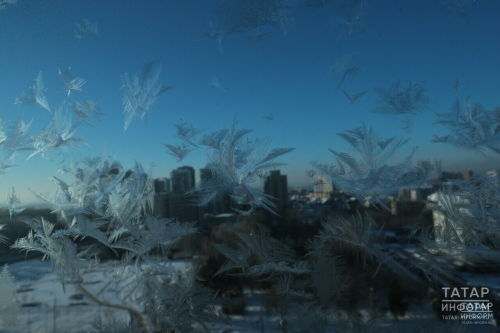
<point>277,186</point>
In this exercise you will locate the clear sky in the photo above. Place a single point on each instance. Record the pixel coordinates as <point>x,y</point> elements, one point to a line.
<point>407,40</point>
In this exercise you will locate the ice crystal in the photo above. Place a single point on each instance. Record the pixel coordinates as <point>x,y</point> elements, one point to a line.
<point>456,85</point>
<point>350,17</point>
<point>13,203</point>
<point>141,91</point>
<point>56,246</point>
<point>87,109</point>
<point>17,139</point>
<point>214,83</point>
<point>86,28</point>
<point>402,100</point>
<point>237,163</point>
<point>178,151</point>
<point>9,306</point>
<point>471,127</point>
<point>269,117</point>
<point>58,135</point>
<point>35,95</point>
<point>6,2</point>
<point>174,306</point>
<point>353,97</point>
<point>187,132</point>
<point>3,239</point>
<point>342,65</point>
<point>238,16</point>
<point>406,124</point>
<point>69,82</point>
<point>366,174</point>
<point>257,36</point>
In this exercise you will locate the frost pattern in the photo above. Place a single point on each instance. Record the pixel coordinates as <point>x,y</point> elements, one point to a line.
<point>174,306</point>
<point>123,199</point>
<point>402,100</point>
<point>257,37</point>
<point>13,203</point>
<point>111,325</point>
<point>239,16</point>
<point>69,82</point>
<point>353,97</point>
<point>366,174</point>
<point>178,151</point>
<point>85,29</point>
<point>87,109</point>
<point>343,65</point>
<point>7,2</point>
<point>3,239</point>
<point>406,124</point>
<point>458,7</point>
<point>469,222</point>
<point>141,91</point>
<point>456,85</point>
<point>214,83</point>
<point>236,164</point>
<point>187,132</point>
<point>57,135</point>
<point>55,246</point>
<point>471,127</point>
<point>17,139</point>
<point>35,95</point>
<point>269,117</point>
<point>9,306</point>
<point>4,168</point>
<point>350,18</point>
<point>114,207</point>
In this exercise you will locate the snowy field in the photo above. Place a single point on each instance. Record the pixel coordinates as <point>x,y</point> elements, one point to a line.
<point>48,307</point>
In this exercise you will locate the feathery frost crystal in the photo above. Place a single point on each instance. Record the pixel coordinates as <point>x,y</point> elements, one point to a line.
<point>236,164</point>
<point>141,91</point>
<point>35,95</point>
<point>86,28</point>
<point>402,100</point>
<point>471,127</point>
<point>366,174</point>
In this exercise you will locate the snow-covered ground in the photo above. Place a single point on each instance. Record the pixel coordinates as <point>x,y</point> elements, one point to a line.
<point>47,307</point>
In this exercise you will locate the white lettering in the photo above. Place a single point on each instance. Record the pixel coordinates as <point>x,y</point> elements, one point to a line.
<point>465,292</point>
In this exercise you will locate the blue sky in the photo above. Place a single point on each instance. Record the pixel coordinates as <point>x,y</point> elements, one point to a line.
<point>283,75</point>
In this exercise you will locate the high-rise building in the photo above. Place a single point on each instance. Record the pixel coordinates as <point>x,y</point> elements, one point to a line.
<point>162,185</point>
<point>181,204</point>
<point>161,199</point>
<point>277,186</point>
<point>219,205</point>
<point>182,179</point>
<point>183,207</point>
